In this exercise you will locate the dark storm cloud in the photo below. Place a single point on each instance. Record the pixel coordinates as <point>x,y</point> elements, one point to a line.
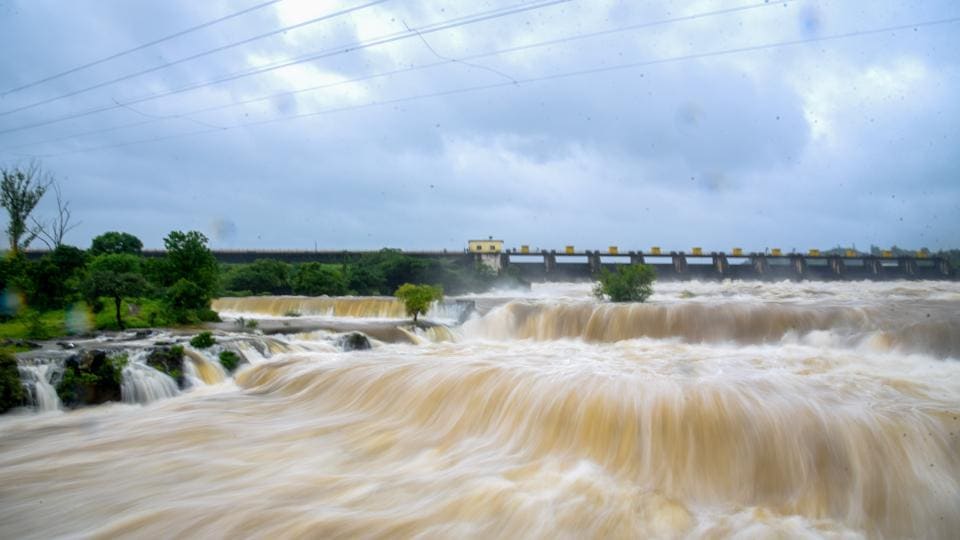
<point>840,141</point>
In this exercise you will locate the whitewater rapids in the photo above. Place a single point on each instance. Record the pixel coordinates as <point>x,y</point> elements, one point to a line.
<point>742,409</point>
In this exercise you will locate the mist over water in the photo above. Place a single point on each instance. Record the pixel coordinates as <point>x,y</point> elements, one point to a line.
<point>716,409</point>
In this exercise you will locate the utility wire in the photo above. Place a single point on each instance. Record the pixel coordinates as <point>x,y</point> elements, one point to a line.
<point>141,47</point>
<point>334,51</point>
<point>446,61</point>
<point>556,76</point>
<point>193,57</point>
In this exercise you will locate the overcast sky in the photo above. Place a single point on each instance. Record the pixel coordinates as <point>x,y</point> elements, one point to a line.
<point>829,141</point>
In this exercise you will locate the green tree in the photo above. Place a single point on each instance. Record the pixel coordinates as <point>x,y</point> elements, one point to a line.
<point>316,279</point>
<point>15,280</point>
<point>417,298</point>
<point>396,268</point>
<point>20,191</point>
<point>364,280</point>
<point>186,301</point>
<point>56,278</point>
<point>262,276</point>
<point>116,242</point>
<point>116,276</point>
<point>630,283</point>
<point>189,258</point>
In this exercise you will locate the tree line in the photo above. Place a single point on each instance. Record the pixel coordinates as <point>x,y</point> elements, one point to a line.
<point>380,273</point>
<point>175,289</point>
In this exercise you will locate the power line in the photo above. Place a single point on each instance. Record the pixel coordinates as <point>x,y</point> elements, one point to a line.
<point>462,60</point>
<point>193,57</point>
<point>141,47</point>
<point>334,51</point>
<point>556,76</point>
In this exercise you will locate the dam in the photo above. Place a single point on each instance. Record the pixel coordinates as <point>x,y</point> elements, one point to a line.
<point>569,264</point>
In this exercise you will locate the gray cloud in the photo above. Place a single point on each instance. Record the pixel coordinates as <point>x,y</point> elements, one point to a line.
<point>811,145</point>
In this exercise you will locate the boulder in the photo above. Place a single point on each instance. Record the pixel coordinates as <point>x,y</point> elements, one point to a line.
<point>354,341</point>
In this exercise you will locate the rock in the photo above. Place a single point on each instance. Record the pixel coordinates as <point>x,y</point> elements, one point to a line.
<point>168,360</point>
<point>90,378</point>
<point>354,341</point>
<point>66,345</point>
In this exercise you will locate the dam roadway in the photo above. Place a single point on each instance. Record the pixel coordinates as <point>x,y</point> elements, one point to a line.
<point>571,265</point>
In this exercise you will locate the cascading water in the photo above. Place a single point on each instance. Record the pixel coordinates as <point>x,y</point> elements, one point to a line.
<point>353,307</point>
<point>200,370</point>
<point>717,410</point>
<point>143,384</point>
<point>913,329</point>
<point>38,380</point>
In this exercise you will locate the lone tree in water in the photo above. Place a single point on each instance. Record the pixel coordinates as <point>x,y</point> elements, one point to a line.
<point>417,298</point>
<point>20,191</point>
<point>630,283</point>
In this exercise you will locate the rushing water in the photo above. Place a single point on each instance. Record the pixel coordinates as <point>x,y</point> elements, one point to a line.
<point>143,384</point>
<point>718,409</point>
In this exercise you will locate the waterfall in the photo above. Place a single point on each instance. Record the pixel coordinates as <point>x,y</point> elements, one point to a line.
<point>38,381</point>
<point>201,370</point>
<point>143,384</point>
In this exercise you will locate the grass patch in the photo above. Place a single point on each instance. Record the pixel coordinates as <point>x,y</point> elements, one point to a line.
<point>35,325</point>
<point>136,313</point>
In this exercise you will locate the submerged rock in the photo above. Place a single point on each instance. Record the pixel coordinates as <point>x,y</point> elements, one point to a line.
<point>354,341</point>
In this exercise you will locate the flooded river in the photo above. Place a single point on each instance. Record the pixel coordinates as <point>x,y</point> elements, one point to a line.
<point>743,409</point>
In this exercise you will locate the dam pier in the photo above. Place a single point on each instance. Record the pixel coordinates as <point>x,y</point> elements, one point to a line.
<point>554,266</point>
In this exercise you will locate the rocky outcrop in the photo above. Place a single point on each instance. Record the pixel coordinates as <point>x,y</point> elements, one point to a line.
<point>168,360</point>
<point>91,378</point>
<point>11,388</point>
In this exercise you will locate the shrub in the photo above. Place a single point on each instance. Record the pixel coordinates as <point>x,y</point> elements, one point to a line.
<point>202,340</point>
<point>168,360</point>
<point>11,389</point>
<point>630,283</point>
<point>417,298</point>
<point>229,360</point>
<point>116,365</point>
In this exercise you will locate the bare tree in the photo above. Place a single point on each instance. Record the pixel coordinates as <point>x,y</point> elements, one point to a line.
<point>51,233</point>
<point>21,188</point>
